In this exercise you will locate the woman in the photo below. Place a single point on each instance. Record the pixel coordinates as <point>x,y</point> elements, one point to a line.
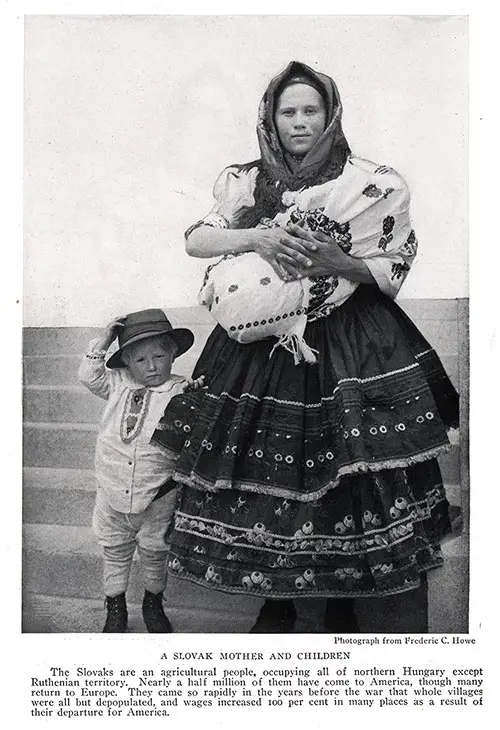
<point>313,480</point>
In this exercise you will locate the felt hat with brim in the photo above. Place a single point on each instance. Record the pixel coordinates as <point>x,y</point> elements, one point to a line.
<point>148,323</point>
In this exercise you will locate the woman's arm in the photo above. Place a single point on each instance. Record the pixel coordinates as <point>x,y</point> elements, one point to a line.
<point>352,269</point>
<point>217,234</point>
<point>338,264</point>
<point>386,270</point>
<point>207,241</point>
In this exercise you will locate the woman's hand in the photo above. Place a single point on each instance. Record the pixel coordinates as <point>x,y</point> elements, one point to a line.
<point>289,255</point>
<point>328,259</point>
<point>193,384</point>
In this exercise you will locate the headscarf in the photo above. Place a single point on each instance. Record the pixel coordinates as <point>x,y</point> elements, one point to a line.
<point>325,161</point>
<point>328,156</point>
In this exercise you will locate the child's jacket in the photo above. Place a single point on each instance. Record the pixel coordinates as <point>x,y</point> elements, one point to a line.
<point>129,468</point>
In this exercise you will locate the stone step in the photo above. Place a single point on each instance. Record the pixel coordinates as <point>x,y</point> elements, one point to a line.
<point>62,403</point>
<point>437,320</point>
<point>66,561</point>
<point>51,369</point>
<point>74,340</point>
<point>62,567</point>
<point>72,445</point>
<point>189,611</point>
<point>66,496</point>
<point>59,445</point>
<point>61,370</point>
<point>58,496</point>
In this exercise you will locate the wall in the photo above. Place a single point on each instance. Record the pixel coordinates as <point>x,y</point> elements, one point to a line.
<point>129,119</point>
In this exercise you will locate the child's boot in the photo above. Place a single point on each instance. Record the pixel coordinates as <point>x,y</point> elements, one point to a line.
<point>116,621</point>
<point>153,614</point>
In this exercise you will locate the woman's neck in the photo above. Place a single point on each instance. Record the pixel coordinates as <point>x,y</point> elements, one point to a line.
<point>293,161</point>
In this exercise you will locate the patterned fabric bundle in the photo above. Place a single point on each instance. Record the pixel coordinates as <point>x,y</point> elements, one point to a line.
<point>365,211</point>
<point>251,303</point>
<point>316,480</point>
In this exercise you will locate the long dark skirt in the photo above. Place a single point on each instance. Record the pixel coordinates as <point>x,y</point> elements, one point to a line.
<point>314,480</point>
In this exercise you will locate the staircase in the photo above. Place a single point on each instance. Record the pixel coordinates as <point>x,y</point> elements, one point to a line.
<point>61,559</point>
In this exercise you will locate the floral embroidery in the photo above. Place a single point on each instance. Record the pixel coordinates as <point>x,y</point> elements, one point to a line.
<point>256,579</point>
<point>305,580</point>
<point>316,220</point>
<point>175,565</point>
<point>282,561</point>
<point>322,311</point>
<point>296,564</point>
<point>372,191</point>
<point>371,519</point>
<point>321,288</point>
<point>349,540</point>
<point>134,413</point>
<point>211,575</point>
<point>410,246</point>
<point>343,236</point>
<point>346,573</point>
<point>383,568</point>
<point>399,270</point>
<point>387,226</point>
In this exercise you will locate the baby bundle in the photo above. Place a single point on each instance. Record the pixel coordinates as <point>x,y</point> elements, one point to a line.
<point>249,300</point>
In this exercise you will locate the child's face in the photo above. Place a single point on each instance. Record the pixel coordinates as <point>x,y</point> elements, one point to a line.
<point>150,361</point>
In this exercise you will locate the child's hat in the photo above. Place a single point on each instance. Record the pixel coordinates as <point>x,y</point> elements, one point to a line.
<point>144,324</point>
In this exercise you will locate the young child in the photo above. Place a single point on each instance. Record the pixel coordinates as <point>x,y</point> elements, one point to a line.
<point>135,497</point>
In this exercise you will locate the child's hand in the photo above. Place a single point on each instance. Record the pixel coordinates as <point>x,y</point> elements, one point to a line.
<point>192,385</point>
<point>111,331</point>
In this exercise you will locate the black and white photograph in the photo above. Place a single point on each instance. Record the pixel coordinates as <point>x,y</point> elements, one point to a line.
<point>245,324</point>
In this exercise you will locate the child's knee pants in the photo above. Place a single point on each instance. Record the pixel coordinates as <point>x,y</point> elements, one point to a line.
<point>120,533</point>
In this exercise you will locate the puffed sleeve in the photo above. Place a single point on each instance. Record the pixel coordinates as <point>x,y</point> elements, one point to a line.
<point>233,191</point>
<point>94,374</point>
<point>383,235</point>
<point>390,270</point>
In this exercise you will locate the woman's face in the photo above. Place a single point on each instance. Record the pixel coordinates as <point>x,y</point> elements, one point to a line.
<point>300,118</point>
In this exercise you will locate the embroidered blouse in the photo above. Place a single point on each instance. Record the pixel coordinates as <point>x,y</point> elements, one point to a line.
<point>365,211</point>
<point>130,469</point>
<point>362,206</point>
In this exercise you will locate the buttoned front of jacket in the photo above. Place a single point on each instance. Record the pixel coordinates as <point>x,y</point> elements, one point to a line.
<point>129,467</point>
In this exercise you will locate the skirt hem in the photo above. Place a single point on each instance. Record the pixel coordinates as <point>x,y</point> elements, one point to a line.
<point>256,593</point>
<point>359,467</point>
